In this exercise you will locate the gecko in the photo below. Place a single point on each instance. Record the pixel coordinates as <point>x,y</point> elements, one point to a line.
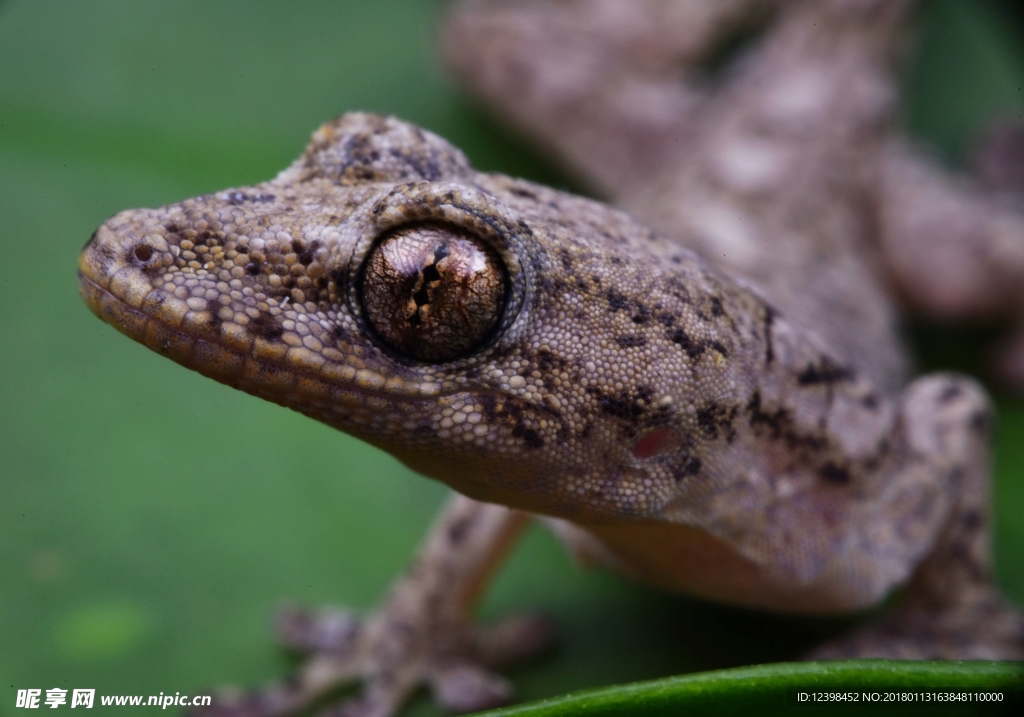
<point>703,387</point>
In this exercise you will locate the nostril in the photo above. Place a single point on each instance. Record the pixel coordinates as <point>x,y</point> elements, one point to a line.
<point>143,252</point>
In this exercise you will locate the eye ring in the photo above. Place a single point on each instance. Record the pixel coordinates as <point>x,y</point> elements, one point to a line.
<point>497,237</point>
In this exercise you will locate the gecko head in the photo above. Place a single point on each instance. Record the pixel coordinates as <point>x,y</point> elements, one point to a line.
<point>382,286</point>
<point>371,260</point>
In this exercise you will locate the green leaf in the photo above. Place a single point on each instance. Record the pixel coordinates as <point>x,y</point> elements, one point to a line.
<point>855,686</point>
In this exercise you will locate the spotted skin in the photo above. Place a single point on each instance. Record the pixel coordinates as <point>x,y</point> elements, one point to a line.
<point>669,417</point>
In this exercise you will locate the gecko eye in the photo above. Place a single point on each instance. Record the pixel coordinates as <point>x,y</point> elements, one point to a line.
<point>433,292</point>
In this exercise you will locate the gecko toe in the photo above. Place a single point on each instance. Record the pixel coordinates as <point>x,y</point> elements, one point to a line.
<point>988,628</point>
<point>327,631</point>
<point>469,688</point>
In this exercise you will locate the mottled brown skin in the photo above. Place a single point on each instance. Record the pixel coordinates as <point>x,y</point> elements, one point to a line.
<point>739,434</point>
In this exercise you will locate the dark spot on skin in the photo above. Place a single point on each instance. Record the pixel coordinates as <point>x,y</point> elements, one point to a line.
<point>874,461</point>
<point>715,418</point>
<point>172,228</point>
<point>692,349</point>
<point>457,530</point>
<point>717,346</point>
<point>667,320</point>
<point>834,474</point>
<point>533,440</point>
<point>213,323</point>
<point>706,420</point>
<point>547,361</point>
<point>631,342</point>
<point>423,165</point>
<point>237,198</point>
<point>642,315</point>
<point>779,423</point>
<point>980,422</point>
<point>950,393</point>
<point>265,327</point>
<point>525,193</point>
<point>210,239</point>
<point>826,372</point>
<point>689,466</point>
<point>338,333</point>
<point>679,289</point>
<point>620,407</point>
<point>769,346</point>
<point>972,520</point>
<point>870,402</point>
<point>629,407</point>
<point>617,301</point>
<point>252,268</point>
<point>716,307</point>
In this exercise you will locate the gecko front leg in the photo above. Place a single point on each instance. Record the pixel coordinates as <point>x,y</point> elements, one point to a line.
<point>421,635</point>
<point>951,607</point>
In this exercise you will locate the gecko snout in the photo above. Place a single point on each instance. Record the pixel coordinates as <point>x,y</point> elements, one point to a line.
<point>120,262</point>
<point>100,259</point>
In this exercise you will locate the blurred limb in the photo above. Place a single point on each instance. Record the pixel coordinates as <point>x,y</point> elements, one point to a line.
<point>954,246</point>
<point>606,85</point>
<point>422,635</point>
<point>951,608</point>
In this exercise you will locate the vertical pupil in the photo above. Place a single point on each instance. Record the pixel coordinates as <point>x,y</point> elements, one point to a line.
<point>430,274</point>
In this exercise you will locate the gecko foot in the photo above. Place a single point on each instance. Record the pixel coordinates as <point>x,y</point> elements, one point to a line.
<point>988,628</point>
<point>392,654</point>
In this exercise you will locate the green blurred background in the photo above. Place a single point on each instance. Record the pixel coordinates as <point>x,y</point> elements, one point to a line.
<point>133,561</point>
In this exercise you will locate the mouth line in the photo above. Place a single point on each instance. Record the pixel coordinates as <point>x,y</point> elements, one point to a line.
<point>243,370</point>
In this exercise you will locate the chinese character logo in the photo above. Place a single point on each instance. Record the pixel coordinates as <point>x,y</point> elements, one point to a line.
<point>28,699</point>
<point>56,697</point>
<point>82,698</point>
